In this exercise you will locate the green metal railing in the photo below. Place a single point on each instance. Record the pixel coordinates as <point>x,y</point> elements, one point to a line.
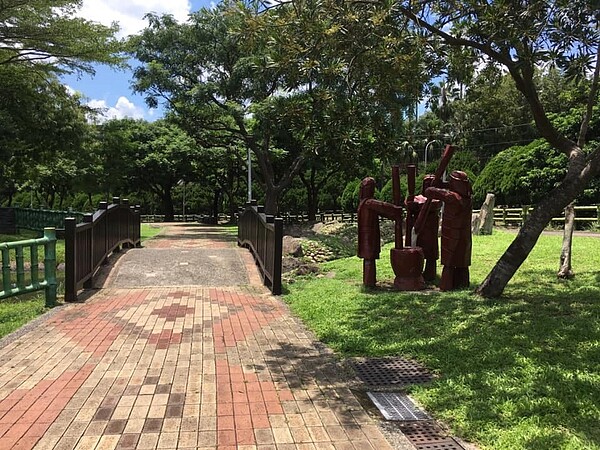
<point>23,286</point>
<point>38,219</point>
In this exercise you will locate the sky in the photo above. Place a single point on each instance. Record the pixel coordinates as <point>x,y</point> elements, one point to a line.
<point>110,90</point>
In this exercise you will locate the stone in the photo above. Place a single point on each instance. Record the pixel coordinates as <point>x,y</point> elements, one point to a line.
<point>292,246</point>
<point>483,223</point>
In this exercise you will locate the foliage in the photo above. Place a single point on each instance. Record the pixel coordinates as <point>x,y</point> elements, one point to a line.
<point>45,36</point>
<point>519,38</point>
<point>518,373</point>
<point>42,126</point>
<point>152,156</point>
<point>521,175</point>
<point>350,196</point>
<point>316,86</point>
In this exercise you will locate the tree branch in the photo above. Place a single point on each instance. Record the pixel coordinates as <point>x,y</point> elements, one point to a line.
<point>585,123</point>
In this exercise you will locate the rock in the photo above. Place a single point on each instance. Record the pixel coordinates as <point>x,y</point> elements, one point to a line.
<point>483,223</point>
<point>291,246</point>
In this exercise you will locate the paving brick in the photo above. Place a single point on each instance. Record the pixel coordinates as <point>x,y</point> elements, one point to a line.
<point>178,367</point>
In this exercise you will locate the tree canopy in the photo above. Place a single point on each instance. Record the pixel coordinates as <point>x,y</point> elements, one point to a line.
<point>305,80</point>
<point>521,37</point>
<point>46,36</point>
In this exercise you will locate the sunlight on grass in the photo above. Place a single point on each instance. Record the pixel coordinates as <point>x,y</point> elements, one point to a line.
<point>149,231</point>
<point>520,372</point>
<point>15,313</point>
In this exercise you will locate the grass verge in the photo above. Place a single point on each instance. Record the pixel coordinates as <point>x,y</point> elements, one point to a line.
<point>521,372</point>
<point>149,231</point>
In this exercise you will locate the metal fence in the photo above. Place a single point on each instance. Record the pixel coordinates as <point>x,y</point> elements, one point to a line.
<point>27,281</point>
<point>88,244</point>
<point>263,236</point>
<point>38,219</point>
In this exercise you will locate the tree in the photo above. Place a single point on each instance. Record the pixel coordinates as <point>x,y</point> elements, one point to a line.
<point>45,36</point>
<point>292,83</point>
<point>40,122</point>
<point>520,37</point>
<point>40,39</point>
<point>150,156</point>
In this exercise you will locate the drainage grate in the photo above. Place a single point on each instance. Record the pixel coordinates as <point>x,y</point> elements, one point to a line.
<point>391,372</point>
<point>397,406</point>
<point>428,436</point>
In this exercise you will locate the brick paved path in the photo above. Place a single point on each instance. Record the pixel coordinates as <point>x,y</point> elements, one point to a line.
<point>196,367</point>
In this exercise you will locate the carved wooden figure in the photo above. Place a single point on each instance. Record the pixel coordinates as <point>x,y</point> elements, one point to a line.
<point>456,230</point>
<point>369,238</point>
<point>427,238</point>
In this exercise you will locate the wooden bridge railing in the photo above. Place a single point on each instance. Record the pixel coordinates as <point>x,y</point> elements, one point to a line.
<point>88,244</point>
<point>263,236</point>
<point>31,283</point>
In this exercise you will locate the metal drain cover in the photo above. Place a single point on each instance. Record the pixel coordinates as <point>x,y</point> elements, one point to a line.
<point>397,406</point>
<point>428,436</point>
<point>391,372</point>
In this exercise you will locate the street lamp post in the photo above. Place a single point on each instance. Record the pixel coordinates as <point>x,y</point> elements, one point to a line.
<point>184,219</point>
<point>427,150</point>
<point>249,176</point>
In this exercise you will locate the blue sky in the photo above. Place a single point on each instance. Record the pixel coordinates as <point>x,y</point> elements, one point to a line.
<point>110,90</point>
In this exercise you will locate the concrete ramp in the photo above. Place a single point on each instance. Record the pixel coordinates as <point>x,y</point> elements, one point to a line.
<point>151,267</point>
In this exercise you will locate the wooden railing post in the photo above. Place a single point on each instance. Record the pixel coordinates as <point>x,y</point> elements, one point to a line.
<point>524,213</point>
<point>278,256</point>
<point>89,218</point>
<point>70,260</point>
<point>138,226</point>
<point>50,266</point>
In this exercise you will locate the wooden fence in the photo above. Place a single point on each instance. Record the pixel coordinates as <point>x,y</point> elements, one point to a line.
<point>31,283</point>
<point>200,218</point>
<point>263,236</point>
<point>503,215</point>
<point>506,216</point>
<point>88,244</point>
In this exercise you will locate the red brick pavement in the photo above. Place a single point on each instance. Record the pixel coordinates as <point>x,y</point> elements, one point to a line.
<point>190,367</point>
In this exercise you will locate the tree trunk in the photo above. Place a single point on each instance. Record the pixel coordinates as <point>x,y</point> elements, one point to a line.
<point>565,271</point>
<point>312,190</point>
<point>272,194</point>
<point>233,208</point>
<point>577,178</point>
<point>169,210</point>
<point>313,206</point>
<point>216,202</point>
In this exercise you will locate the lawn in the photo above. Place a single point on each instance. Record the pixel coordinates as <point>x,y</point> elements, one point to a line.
<point>520,372</point>
<point>17,311</point>
<point>149,231</point>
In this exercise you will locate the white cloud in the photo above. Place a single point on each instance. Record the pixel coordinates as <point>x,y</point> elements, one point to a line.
<point>123,108</point>
<point>130,13</point>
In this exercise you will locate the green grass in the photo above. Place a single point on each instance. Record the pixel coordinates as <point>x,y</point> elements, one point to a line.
<point>26,235</point>
<point>149,231</point>
<point>521,372</point>
<point>15,312</point>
